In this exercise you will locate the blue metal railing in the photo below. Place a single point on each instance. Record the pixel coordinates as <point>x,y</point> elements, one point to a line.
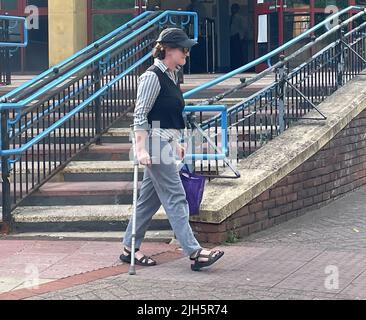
<point>92,94</point>
<point>8,28</point>
<point>294,92</point>
<point>17,20</point>
<point>73,57</point>
<point>223,126</point>
<point>45,123</point>
<point>167,15</point>
<point>270,55</point>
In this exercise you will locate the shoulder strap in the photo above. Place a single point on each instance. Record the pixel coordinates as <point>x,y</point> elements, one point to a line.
<point>157,71</point>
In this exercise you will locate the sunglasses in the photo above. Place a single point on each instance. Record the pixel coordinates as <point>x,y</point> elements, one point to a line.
<point>185,50</point>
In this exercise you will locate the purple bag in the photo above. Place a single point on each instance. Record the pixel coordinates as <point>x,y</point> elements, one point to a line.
<point>194,186</point>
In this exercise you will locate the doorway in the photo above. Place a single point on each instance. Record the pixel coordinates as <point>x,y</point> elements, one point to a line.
<point>33,58</point>
<point>278,21</point>
<point>212,54</point>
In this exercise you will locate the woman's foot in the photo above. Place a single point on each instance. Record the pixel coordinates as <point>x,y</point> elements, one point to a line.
<point>204,258</point>
<point>140,259</point>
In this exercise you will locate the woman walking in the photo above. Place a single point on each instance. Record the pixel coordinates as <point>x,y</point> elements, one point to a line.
<point>158,125</point>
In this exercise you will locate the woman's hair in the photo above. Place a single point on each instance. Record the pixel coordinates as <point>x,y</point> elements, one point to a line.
<point>159,51</point>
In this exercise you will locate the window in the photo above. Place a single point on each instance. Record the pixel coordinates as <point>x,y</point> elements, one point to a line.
<point>113,4</point>
<point>8,5</point>
<point>107,15</point>
<point>298,3</point>
<point>324,3</point>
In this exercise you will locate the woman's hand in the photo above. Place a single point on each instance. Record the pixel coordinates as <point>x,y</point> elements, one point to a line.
<point>142,154</point>
<point>180,151</point>
<point>143,157</point>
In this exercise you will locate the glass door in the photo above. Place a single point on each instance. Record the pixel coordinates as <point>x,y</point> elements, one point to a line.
<point>106,15</point>
<point>34,57</point>
<point>291,18</point>
<point>9,7</point>
<point>36,54</point>
<point>268,27</point>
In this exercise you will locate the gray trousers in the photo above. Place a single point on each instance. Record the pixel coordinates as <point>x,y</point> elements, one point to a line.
<point>162,186</point>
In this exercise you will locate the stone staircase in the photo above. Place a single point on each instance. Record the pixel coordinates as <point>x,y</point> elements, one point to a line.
<point>94,191</point>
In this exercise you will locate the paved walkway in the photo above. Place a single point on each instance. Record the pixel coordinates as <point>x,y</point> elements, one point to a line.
<point>321,255</point>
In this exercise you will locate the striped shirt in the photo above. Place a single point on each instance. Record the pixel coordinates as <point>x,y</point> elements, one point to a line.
<point>147,92</point>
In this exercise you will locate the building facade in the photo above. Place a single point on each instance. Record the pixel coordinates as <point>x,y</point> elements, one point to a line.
<point>66,26</point>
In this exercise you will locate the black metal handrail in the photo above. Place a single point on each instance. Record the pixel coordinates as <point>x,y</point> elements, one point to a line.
<point>82,56</point>
<point>13,35</point>
<point>5,72</point>
<point>59,115</point>
<point>336,57</point>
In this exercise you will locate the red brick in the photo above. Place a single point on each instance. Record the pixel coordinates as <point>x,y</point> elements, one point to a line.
<point>269,204</point>
<point>291,197</point>
<point>287,189</point>
<point>320,189</point>
<point>292,179</point>
<point>291,215</point>
<point>243,211</point>
<point>338,168</point>
<point>318,198</point>
<point>267,223</point>
<point>255,227</point>
<point>282,183</point>
<point>306,193</point>
<point>216,237</point>
<point>275,212</point>
<point>261,215</point>
<point>325,179</point>
<point>256,207</point>
<point>286,208</point>
<point>281,201</point>
<point>275,193</point>
<point>208,227</point>
<point>298,204</point>
<point>308,201</point>
<point>298,186</point>
<point>264,196</point>
<point>280,219</point>
<point>201,237</point>
<point>242,231</point>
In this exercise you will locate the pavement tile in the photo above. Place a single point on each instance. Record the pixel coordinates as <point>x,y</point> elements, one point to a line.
<point>287,262</point>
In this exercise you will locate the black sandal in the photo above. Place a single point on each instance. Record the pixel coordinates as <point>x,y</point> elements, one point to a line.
<point>144,261</point>
<point>198,265</point>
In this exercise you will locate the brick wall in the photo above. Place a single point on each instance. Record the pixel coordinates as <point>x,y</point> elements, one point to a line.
<point>339,167</point>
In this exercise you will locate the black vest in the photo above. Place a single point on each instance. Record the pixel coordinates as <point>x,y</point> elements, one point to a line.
<point>169,105</point>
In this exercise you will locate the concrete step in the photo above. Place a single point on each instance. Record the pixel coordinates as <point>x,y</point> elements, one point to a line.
<point>85,119</point>
<point>165,236</point>
<point>115,131</point>
<point>115,158</point>
<point>64,137</point>
<point>114,170</point>
<point>226,101</point>
<point>193,81</point>
<point>108,166</point>
<point>105,152</point>
<point>100,171</point>
<point>80,218</point>
<point>82,193</point>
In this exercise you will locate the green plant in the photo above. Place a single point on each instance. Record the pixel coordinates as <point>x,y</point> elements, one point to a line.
<point>232,237</point>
